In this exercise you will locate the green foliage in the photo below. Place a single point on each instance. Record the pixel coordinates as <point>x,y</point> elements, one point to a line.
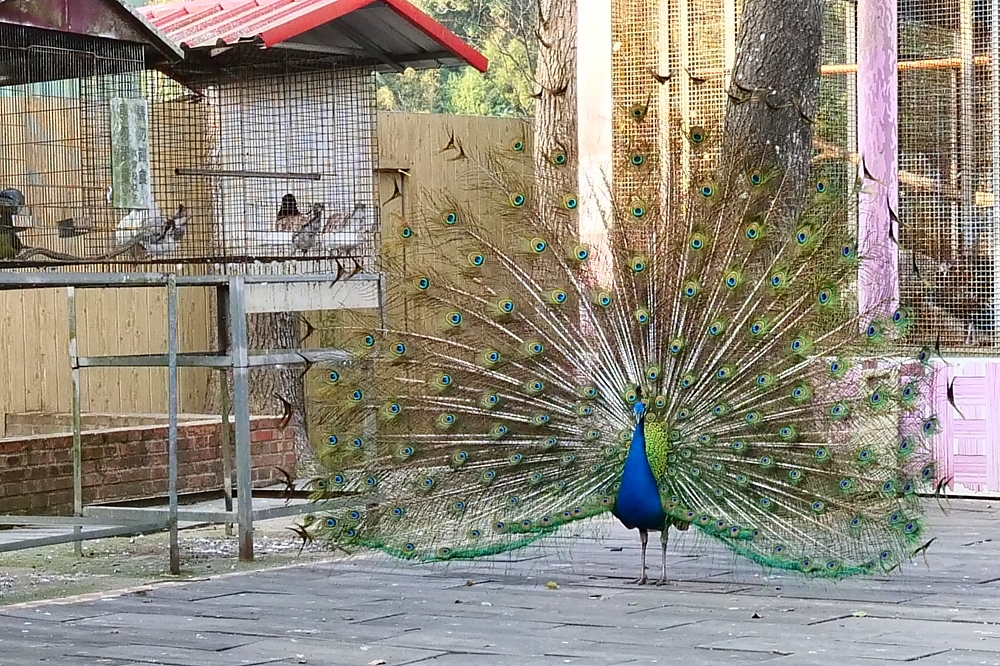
<point>504,32</point>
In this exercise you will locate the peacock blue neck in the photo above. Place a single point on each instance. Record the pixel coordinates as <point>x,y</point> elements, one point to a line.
<point>638,504</point>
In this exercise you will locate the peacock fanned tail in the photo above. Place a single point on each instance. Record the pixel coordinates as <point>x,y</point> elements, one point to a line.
<point>497,404</point>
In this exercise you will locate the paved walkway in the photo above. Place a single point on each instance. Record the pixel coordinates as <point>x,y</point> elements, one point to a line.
<point>715,611</point>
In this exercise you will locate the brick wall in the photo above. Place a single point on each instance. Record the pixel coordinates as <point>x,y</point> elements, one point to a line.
<point>36,473</point>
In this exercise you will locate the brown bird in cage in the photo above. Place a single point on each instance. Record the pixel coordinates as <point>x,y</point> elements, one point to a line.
<point>11,201</point>
<point>289,216</point>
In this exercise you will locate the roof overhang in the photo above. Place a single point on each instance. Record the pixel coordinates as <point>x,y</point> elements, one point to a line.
<point>391,34</point>
<point>109,19</point>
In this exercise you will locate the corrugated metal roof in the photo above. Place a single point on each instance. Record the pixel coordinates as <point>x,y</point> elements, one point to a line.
<point>388,29</point>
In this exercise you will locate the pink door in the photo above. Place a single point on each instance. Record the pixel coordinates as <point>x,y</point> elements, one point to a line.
<point>968,449</point>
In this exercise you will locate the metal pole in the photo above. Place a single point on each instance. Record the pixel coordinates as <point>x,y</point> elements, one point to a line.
<point>225,402</point>
<point>175,553</point>
<point>995,154</point>
<point>241,413</point>
<point>77,452</point>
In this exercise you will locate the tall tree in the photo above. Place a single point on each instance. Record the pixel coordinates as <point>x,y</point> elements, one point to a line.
<point>774,90</point>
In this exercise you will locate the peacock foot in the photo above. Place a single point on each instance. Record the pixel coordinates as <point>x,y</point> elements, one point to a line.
<point>661,582</point>
<point>642,580</point>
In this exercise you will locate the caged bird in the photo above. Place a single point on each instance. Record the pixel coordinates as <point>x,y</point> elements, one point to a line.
<point>11,201</point>
<point>703,364</point>
<point>289,217</point>
<point>305,237</point>
<point>151,232</point>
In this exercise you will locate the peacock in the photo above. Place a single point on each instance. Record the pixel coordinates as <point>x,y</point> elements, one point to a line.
<point>702,362</point>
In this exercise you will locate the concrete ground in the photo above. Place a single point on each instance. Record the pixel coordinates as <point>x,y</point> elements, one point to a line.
<point>563,602</point>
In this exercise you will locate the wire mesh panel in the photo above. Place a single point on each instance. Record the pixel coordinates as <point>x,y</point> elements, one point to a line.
<point>949,148</point>
<point>250,165</point>
<point>47,177</point>
<point>702,53</point>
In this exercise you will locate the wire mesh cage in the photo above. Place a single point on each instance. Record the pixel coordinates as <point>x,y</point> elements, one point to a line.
<point>248,164</point>
<point>949,148</point>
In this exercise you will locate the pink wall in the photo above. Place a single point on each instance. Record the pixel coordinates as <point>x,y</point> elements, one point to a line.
<point>968,449</point>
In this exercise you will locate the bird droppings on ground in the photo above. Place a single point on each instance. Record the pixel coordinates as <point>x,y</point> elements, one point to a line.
<point>109,564</point>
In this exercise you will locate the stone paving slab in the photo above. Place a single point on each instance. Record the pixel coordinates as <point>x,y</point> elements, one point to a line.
<point>500,612</point>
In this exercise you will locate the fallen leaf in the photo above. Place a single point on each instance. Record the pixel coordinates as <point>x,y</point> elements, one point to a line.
<point>377,662</point>
<point>859,614</point>
<point>552,585</point>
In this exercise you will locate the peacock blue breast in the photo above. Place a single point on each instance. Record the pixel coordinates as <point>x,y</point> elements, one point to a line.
<point>638,503</point>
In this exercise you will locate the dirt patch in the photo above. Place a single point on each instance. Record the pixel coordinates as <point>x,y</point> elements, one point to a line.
<point>52,572</point>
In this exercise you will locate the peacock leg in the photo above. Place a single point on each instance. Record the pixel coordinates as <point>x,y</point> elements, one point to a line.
<point>663,560</point>
<point>642,580</point>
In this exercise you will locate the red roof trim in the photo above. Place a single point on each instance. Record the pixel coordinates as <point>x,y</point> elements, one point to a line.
<point>286,19</point>
<point>439,33</point>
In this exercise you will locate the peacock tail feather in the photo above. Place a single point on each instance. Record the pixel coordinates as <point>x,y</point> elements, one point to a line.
<point>497,402</point>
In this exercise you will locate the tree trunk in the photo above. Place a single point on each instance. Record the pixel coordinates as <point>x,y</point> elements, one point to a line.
<point>271,332</point>
<point>774,91</point>
<point>555,127</point>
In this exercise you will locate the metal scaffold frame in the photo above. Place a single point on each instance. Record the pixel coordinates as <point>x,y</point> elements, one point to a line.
<point>233,355</point>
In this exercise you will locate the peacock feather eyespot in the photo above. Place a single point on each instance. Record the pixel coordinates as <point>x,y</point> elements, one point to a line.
<point>766,461</point>
<point>536,478</point>
<point>557,296</point>
<point>846,484</point>
<point>788,433</point>
<point>517,199</point>
<point>691,289</point>
<point>895,518</point>
<point>475,534</point>
<point>717,328</point>
<point>331,522</point>
<point>755,178</point>
<point>795,474</point>
<point>405,232</point>
<point>822,453</point>
<point>476,260</point>
<point>804,235</point>
<point>839,411</point>
<point>427,483</point>
<point>637,160</point>
<point>587,391</point>
<point>849,252</point>
<point>570,202</point>
<point>538,245</point>
<point>371,482</point>
<point>725,372</point>
<point>406,452</point>
<point>857,522</point>
<point>802,393</point>
<point>398,349</point>
<point>534,387</point>
<point>818,506</point>
<point>533,348</point>
<point>603,299</point>
<point>676,346</point>
<point>683,413</point>
<point>765,503</point>
<point>338,480</point>
<point>398,512</point>
<point>333,377</point>
<point>332,440</point>
<point>558,157</point>
<point>450,219</point>
<point>592,435</point>
<point>865,455</point>
<point>541,419</point>
<point>707,190</point>
<point>697,241</point>
<point>391,410</point>
<point>499,431</point>
<point>638,264</point>
<point>443,380</point>
<point>642,316</point>
<point>580,253</point>
<point>739,446</point>
<point>423,283</point>
<point>354,515</point>
<point>697,134</point>
<point>653,371</point>
<point>911,527</point>
<point>733,279</point>
<point>688,380</point>
<point>764,380</point>
<point>930,426</point>
<point>446,420</point>
<point>638,111</point>
<point>753,231</point>
<point>459,457</point>
<point>489,401</point>
<point>491,357</point>
<point>905,448</point>
<point>584,410</point>
<point>357,443</point>
<point>505,306</point>
<point>454,319</point>
<point>638,208</point>
<point>821,186</point>
<point>357,395</point>
<point>517,145</point>
<point>368,341</point>
<point>720,410</point>
<point>889,488</point>
<point>758,328</point>
<point>752,418</point>
<point>660,402</point>
<point>488,476</point>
